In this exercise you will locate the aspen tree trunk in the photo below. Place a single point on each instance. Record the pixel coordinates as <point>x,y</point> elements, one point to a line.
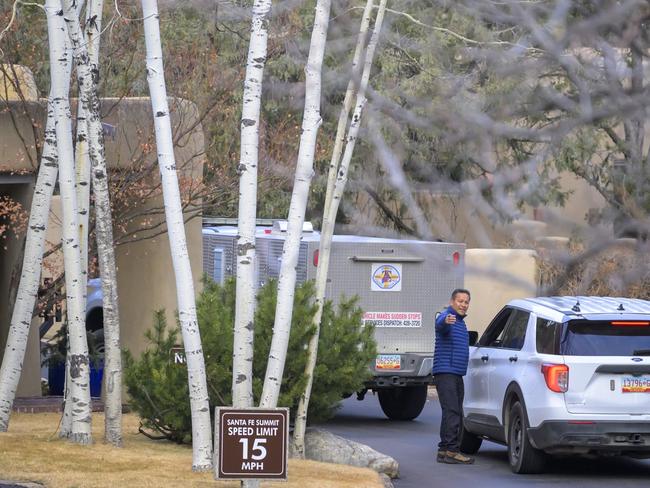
<point>350,93</point>
<point>244,332</point>
<point>79,397</point>
<point>337,179</point>
<point>87,75</point>
<point>82,156</point>
<point>82,185</point>
<point>107,266</point>
<point>82,172</point>
<point>242,381</point>
<point>65,429</point>
<point>66,420</point>
<point>304,172</point>
<point>30,277</point>
<point>201,431</point>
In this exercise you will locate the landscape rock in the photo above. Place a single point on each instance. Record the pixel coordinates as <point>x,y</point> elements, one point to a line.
<point>323,446</point>
<point>19,484</point>
<point>385,479</point>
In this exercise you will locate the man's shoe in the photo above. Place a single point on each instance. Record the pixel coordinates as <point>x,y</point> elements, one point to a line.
<point>441,456</point>
<point>457,458</point>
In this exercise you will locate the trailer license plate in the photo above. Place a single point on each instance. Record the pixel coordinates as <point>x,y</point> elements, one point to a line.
<point>635,384</point>
<point>388,361</point>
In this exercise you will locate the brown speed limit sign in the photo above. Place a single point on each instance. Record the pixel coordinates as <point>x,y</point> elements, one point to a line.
<point>251,443</point>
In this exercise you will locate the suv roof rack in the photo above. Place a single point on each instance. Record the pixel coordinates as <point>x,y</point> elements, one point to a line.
<point>581,305</point>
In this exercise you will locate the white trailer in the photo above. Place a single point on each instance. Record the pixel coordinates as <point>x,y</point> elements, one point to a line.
<point>401,285</point>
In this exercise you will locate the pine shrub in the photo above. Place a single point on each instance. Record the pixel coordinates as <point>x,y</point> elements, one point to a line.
<point>158,387</point>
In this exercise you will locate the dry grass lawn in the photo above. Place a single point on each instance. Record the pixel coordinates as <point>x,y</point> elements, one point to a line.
<point>31,451</point>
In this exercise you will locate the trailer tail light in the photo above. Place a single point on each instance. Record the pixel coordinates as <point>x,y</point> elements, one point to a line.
<point>556,377</point>
<point>314,259</point>
<point>456,258</point>
<point>632,323</point>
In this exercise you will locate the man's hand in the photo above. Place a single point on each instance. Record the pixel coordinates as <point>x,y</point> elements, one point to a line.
<point>450,319</point>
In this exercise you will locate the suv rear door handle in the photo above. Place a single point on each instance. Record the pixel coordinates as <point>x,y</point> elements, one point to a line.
<point>485,358</point>
<point>513,359</point>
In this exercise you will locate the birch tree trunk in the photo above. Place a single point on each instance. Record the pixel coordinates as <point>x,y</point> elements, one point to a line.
<point>65,429</point>
<point>79,397</point>
<point>350,92</point>
<point>82,172</point>
<point>201,431</point>
<point>107,266</point>
<point>82,156</point>
<point>242,380</point>
<point>337,179</point>
<point>244,331</point>
<point>304,172</point>
<point>30,277</point>
<point>87,75</point>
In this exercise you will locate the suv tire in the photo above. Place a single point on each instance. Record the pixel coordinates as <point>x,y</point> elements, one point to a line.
<point>469,443</point>
<point>523,457</point>
<point>403,402</point>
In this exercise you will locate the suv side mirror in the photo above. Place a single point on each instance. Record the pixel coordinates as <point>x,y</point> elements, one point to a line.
<point>473,337</point>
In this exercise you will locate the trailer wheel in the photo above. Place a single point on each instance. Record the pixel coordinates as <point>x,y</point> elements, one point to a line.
<point>403,402</point>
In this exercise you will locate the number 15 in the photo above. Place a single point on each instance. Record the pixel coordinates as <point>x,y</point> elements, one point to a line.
<point>257,446</point>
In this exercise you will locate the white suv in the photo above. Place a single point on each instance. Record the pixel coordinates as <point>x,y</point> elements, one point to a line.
<point>561,375</point>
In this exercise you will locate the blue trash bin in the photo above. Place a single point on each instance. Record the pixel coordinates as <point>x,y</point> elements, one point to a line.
<point>56,379</point>
<point>96,375</point>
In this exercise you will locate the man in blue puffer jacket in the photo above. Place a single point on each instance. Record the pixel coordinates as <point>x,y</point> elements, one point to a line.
<point>450,359</point>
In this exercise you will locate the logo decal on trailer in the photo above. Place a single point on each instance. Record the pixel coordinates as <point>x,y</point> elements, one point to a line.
<point>386,277</point>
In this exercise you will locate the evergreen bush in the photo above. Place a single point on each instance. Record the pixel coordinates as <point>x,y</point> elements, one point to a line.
<point>158,387</point>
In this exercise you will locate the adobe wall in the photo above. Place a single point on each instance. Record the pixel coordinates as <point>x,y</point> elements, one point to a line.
<point>496,276</point>
<point>145,277</point>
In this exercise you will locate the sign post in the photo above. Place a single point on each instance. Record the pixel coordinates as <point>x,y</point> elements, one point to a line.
<point>251,443</point>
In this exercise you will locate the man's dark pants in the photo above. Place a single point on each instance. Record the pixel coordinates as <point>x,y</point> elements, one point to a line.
<point>450,394</point>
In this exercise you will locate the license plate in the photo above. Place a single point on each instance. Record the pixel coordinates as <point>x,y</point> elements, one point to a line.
<point>388,361</point>
<point>635,384</point>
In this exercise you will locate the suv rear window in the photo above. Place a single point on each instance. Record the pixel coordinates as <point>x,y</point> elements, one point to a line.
<point>546,335</point>
<point>605,338</point>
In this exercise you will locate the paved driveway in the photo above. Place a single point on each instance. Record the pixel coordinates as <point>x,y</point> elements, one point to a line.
<point>413,445</point>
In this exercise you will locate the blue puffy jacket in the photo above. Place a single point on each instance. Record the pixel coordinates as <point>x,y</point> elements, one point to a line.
<point>452,345</point>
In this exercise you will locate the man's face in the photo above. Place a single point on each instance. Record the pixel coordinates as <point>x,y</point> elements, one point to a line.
<point>460,303</point>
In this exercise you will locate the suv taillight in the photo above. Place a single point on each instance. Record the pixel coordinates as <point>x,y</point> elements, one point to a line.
<point>556,376</point>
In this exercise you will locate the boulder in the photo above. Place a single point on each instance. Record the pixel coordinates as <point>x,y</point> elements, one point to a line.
<point>323,446</point>
<point>385,479</point>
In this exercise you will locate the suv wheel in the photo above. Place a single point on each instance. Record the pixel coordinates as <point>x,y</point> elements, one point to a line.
<point>403,402</point>
<point>523,457</point>
<point>469,443</point>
